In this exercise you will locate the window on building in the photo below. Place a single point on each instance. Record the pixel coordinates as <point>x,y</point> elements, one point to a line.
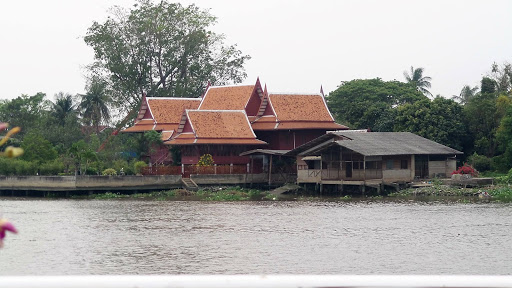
<point>404,164</point>
<point>389,164</point>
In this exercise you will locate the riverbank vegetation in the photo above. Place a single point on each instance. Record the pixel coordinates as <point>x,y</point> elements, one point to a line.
<point>210,194</point>
<point>495,193</point>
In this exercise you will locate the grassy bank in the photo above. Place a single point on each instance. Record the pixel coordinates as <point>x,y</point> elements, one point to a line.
<point>212,194</point>
<point>497,193</point>
<point>501,193</point>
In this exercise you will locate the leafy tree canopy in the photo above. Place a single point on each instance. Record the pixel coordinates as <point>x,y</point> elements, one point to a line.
<point>37,149</point>
<point>24,111</point>
<point>440,120</point>
<point>488,86</point>
<point>162,49</point>
<point>370,103</point>
<point>481,115</point>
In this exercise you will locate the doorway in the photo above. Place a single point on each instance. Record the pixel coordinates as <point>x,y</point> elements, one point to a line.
<point>348,170</point>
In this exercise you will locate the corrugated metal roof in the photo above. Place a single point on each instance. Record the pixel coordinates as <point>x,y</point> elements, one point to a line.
<point>392,143</point>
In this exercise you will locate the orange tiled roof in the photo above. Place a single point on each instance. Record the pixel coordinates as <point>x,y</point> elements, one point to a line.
<point>310,125</point>
<point>227,98</point>
<point>266,119</point>
<point>166,127</point>
<point>145,122</point>
<point>289,107</point>
<point>217,127</point>
<point>138,128</point>
<point>187,135</point>
<point>264,126</point>
<point>231,141</point>
<point>166,135</point>
<point>220,124</point>
<point>226,141</point>
<point>169,110</point>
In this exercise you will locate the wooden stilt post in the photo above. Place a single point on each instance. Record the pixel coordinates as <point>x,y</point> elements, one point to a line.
<point>252,170</point>
<point>270,171</point>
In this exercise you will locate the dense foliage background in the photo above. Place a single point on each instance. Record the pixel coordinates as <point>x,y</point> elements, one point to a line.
<point>477,122</point>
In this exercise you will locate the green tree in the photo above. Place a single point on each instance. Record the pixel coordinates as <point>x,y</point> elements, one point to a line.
<point>162,49</point>
<point>480,115</point>
<point>63,108</point>
<point>418,80</point>
<point>488,86</point>
<point>466,94</point>
<point>27,112</point>
<point>94,105</point>
<point>502,76</point>
<point>37,149</point>
<point>83,155</point>
<point>440,120</point>
<point>370,103</point>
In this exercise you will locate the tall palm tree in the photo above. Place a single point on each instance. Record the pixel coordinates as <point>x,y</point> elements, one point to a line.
<point>94,104</point>
<point>417,79</point>
<point>63,107</point>
<point>466,94</point>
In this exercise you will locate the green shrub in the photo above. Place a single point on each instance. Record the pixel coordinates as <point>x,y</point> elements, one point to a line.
<point>205,160</point>
<point>7,166</point>
<point>109,172</point>
<point>137,166</point>
<point>25,167</point>
<point>480,162</point>
<point>91,171</point>
<point>499,163</point>
<point>51,168</point>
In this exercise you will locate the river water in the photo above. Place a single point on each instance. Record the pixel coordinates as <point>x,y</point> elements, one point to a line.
<point>58,237</point>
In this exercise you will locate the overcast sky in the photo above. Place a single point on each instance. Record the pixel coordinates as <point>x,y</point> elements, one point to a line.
<point>296,46</point>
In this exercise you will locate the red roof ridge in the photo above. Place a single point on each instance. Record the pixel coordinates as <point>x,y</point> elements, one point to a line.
<point>295,93</point>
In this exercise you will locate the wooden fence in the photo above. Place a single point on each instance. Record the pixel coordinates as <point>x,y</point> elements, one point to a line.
<point>193,169</point>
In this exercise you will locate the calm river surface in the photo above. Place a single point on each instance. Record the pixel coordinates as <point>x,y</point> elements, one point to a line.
<point>154,237</point>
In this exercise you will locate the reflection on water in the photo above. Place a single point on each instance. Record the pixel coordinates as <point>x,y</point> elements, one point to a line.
<point>153,237</point>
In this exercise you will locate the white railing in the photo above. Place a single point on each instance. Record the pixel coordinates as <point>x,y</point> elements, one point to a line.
<point>254,281</point>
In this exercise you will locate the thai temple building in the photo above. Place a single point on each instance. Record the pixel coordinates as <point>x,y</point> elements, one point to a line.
<point>238,124</point>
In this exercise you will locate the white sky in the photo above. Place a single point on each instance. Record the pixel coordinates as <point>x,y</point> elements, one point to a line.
<point>296,46</point>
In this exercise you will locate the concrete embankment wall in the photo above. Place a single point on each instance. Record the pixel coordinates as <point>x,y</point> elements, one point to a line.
<point>79,183</point>
<point>133,183</point>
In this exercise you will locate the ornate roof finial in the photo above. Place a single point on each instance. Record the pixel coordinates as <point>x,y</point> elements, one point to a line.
<point>265,90</point>
<point>322,90</point>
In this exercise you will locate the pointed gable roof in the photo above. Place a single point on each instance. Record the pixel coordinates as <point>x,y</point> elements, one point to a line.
<point>296,111</point>
<point>167,111</point>
<point>300,107</point>
<point>216,127</point>
<point>161,113</point>
<point>234,97</point>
